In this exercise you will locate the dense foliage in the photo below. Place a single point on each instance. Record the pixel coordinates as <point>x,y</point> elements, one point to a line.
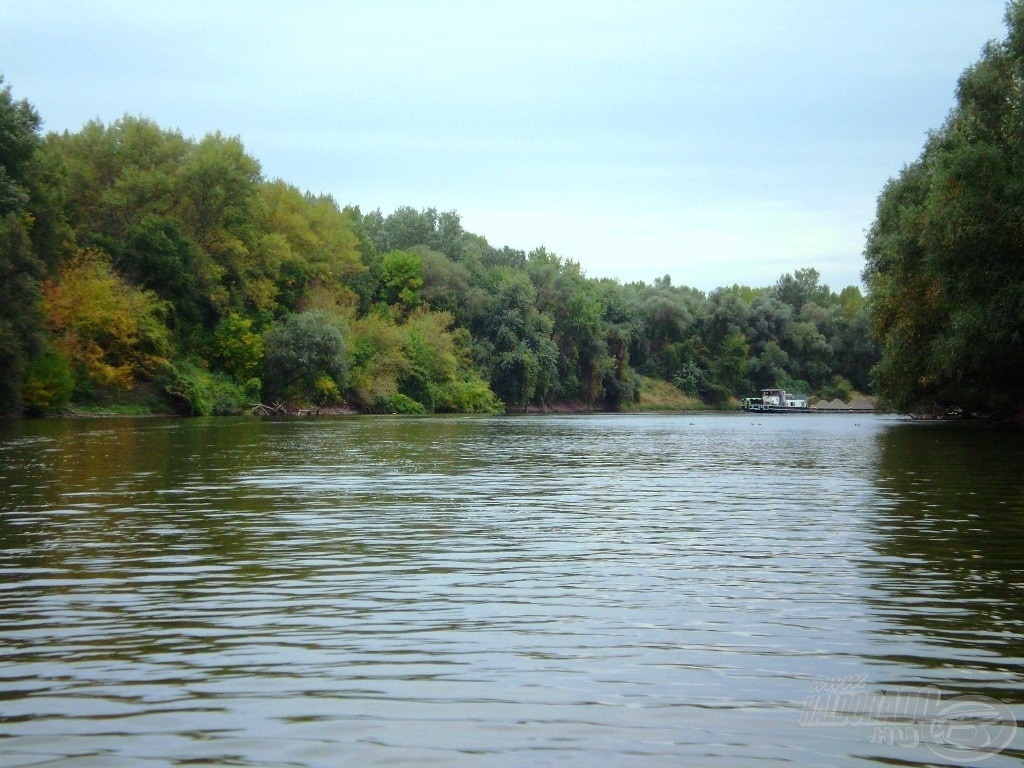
<point>141,266</point>
<point>945,257</point>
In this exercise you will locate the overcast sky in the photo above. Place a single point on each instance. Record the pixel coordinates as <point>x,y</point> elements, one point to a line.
<point>716,141</point>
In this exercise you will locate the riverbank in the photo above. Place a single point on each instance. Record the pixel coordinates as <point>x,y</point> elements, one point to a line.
<point>654,396</point>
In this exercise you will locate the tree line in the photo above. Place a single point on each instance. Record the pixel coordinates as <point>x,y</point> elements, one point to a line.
<point>140,266</point>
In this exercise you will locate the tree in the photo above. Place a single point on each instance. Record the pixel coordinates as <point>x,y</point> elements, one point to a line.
<point>401,280</point>
<point>768,370</point>
<point>158,256</point>
<point>450,287</point>
<point>730,367</point>
<point>19,139</point>
<point>20,315</point>
<point>378,359</point>
<point>113,175</point>
<point>307,245</point>
<point>238,348</point>
<point>945,255</point>
<point>520,355</point>
<point>109,332</point>
<point>48,384</point>
<point>173,261</point>
<point>801,287</point>
<point>572,302</point>
<point>305,358</point>
<point>20,268</point>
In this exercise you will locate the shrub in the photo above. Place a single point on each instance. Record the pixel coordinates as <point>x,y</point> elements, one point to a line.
<point>197,392</point>
<point>397,404</point>
<point>472,396</point>
<point>48,384</point>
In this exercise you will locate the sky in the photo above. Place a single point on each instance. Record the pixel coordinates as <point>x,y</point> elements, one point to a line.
<point>714,141</point>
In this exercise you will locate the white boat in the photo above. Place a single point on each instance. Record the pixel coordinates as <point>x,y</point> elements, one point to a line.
<point>776,401</point>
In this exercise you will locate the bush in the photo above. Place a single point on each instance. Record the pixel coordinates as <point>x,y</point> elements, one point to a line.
<point>416,386</point>
<point>840,387</point>
<point>472,396</point>
<point>48,384</point>
<point>197,392</point>
<point>397,404</point>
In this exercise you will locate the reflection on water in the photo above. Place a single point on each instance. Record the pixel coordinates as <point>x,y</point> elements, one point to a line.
<point>950,546</point>
<point>622,590</point>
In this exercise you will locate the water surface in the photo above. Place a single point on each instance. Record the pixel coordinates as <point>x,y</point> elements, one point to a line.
<point>558,590</point>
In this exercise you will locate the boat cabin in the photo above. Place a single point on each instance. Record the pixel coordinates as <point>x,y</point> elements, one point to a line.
<point>774,401</point>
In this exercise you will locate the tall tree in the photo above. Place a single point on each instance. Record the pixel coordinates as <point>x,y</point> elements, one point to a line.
<point>945,256</point>
<point>520,355</point>
<point>20,268</point>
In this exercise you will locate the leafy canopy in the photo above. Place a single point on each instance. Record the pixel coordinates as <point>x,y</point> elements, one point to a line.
<point>945,256</point>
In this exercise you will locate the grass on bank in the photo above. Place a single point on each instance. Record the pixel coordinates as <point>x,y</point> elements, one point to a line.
<point>656,395</point>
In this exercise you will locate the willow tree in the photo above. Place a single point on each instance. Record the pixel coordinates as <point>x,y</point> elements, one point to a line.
<point>945,255</point>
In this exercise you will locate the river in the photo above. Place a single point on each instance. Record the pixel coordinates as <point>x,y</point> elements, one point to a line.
<point>621,590</point>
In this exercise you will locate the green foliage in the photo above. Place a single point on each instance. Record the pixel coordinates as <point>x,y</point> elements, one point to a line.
<point>472,396</point>
<point>801,287</point>
<point>449,286</point>
<point>173,260</point>
<point>398,404</point>
<point>401,278</point>
<point>839,387</point>
<point>851,301</point>
<point>731,364</point>
<point>308,243</point>
<point>111,176</point>
<point>422,358</point>
<point>20,315</point>
<point>19,138</point>
<point>305,358</point>
<point>945,255</point>
<point>238,348</point>
<point>158,256</point>
<point>190,390</point>
<point>769,368</point>
<point>20,267</point>
<point>48,384</point>
<point>406,227</point>
<point>520,354</point>
<point>198,392</point>
<point>378,360</point>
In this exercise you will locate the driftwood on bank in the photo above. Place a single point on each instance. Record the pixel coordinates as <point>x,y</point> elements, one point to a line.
<point>271,409</point>
<point>278,408</point>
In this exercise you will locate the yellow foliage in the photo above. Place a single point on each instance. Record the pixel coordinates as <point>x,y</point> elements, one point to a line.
<point>340,302</point>
<point>108,331</point>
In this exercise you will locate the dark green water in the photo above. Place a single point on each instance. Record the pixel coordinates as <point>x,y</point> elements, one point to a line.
<point>566,591</point>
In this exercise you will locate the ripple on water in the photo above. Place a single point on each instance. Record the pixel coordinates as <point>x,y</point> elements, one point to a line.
<point>602,590</point>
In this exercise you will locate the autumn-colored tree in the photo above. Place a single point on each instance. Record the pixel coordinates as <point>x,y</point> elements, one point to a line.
<point>110,333</point>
